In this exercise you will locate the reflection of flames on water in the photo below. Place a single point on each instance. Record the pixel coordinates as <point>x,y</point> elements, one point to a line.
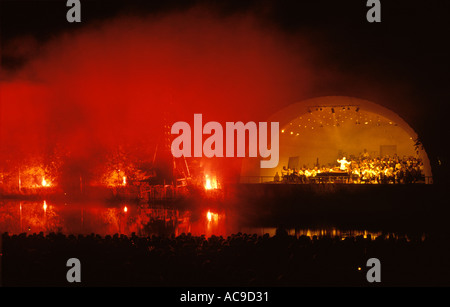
<point>213,227</point>
<point>212,217</point>
<point>34,217</point>
<point>30,217</point>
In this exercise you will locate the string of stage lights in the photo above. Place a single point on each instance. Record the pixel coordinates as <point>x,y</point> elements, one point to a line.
<point>334,116</point>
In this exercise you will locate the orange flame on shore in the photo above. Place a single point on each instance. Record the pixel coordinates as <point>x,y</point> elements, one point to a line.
<point>45,183</point>
<point>124,182</point>
<point>210,183</point>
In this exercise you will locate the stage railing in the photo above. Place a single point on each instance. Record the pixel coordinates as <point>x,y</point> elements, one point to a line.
<point>257,179</point>
<point>314,180</point>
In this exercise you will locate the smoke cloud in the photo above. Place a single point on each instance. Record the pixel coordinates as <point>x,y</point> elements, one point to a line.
<point>121,80</point>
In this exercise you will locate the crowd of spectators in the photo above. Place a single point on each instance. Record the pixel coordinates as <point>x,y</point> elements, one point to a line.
<point>394,170</point>
<point>237,260</point>
<point>388,170</point>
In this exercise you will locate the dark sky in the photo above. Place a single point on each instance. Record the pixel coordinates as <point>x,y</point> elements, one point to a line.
<point>401,63</point>
<point>410,42</point>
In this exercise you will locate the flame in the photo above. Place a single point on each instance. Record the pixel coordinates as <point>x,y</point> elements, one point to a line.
<point>44,206</point>
<point>124,182</point>
<point>210,183</point>
<point>125,209</point>
<point>45,183</point>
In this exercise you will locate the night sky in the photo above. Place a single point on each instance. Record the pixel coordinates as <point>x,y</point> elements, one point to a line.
<point>216,57</point>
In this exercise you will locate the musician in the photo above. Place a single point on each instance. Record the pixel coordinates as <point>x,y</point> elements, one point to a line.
<point>355,175</point>
<point>276,178</point>
<point>284,173</point>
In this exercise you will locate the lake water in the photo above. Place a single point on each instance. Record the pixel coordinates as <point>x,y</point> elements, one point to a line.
<point>144,220</point>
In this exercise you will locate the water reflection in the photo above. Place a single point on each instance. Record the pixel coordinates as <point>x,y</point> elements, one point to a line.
<point>144,220</point>
<point>34,217</point>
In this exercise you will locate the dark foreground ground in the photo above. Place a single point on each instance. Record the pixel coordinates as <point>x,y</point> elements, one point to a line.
<point>238,260</point>
<point>251,260</point>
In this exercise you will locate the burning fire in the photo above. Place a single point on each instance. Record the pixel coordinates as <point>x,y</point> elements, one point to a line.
<point>125,209</point>
<point>44,206</point>
<point>45,183</point>
<point>124,180</point>
<point>210,183</point>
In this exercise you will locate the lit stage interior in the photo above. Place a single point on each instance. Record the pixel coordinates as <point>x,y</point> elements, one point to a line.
<point>315,133</point>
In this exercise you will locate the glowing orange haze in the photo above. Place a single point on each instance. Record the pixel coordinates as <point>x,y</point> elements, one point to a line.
<point>110,84</point>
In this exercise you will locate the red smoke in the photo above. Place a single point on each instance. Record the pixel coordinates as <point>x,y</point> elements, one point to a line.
<point>118,81</point>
